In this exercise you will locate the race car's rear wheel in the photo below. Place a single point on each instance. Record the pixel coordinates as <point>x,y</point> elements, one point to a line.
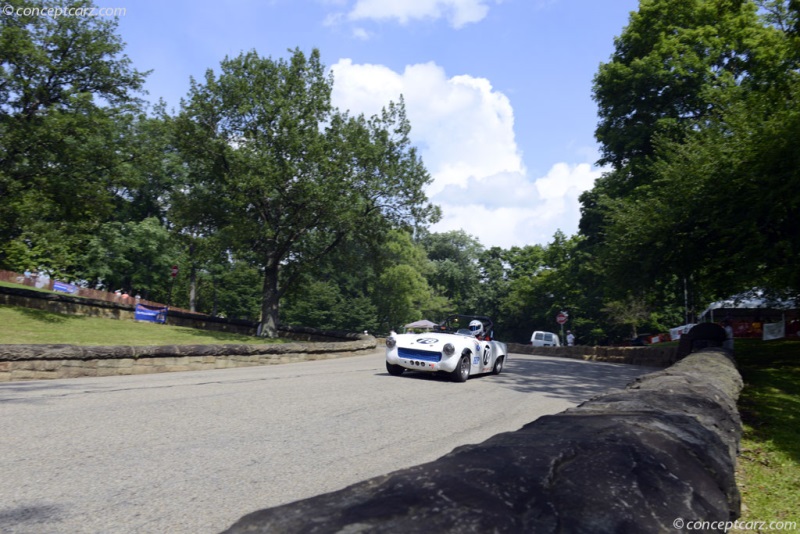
<point>461,372</point>
<point>498,366</point>
<point>394,370</point>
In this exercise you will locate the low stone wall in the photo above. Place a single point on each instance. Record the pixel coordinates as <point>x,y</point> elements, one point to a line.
<point>629,461</point>
<point>649,356</point>
<point>36,362</point>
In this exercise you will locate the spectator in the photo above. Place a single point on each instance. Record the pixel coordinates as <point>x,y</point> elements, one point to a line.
<point>570,339</point>
<point>728,343</point>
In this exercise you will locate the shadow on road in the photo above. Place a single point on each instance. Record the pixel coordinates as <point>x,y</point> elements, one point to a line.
<point>572,380</point>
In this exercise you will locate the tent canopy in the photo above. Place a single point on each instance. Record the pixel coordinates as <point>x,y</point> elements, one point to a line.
<point>424,323</point>
<point>750,300</point>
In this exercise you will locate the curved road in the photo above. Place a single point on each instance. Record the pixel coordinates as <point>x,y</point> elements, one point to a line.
<point>193,452</point>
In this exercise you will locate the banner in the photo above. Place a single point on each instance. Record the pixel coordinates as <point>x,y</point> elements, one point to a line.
<point>774,330</point>
<point>151,314</point>
<point>676,333</point>
<point>63,287</point>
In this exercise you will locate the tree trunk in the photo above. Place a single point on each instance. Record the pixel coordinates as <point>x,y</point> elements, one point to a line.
<point>192,288</point>
<point>269,301</point>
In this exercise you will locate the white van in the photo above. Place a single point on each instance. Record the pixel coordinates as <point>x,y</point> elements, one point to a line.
<point>545,339</point>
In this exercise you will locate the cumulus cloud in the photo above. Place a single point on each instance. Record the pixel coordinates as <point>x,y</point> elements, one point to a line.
<point>464,129</point>
<point>514,210</point>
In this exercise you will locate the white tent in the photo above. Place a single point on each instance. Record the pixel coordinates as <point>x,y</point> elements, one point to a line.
<point>423,324</point>
<point>750,300</point>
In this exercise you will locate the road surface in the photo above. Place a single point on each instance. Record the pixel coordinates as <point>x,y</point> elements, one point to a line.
<point>193,452</point>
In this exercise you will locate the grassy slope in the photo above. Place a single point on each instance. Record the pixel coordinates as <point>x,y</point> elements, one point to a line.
<point>25,325</point>
<point>769,462</point>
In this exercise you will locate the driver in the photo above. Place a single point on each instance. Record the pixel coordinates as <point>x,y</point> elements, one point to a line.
<point>476,328</point>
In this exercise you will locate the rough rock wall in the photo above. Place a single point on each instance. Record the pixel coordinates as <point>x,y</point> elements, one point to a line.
<point>634,461</point>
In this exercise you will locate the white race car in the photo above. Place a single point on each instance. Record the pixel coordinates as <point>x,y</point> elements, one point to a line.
<point>461,346</point>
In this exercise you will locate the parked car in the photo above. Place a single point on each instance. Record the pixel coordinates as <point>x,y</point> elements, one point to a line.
<point>545,339</point>
<point>461,346</point>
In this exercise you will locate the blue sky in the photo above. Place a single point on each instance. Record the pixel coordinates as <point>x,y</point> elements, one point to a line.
<point>498,92</point>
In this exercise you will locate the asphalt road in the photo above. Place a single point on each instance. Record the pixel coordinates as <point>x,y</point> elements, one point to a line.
<point>193,452</point>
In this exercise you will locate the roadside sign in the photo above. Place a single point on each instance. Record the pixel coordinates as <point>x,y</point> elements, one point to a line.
<point>174,271</point>
<point>561,318</point>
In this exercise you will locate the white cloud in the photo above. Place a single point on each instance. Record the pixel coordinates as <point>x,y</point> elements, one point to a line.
<point>512,210</point>
<point>464,129</point>
<point>458,12</point>
<point>361,33</point>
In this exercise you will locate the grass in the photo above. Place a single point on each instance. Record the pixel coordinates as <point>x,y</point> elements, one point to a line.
<point>26,325</point>
<point>769,463</point>
<point>21,286</point>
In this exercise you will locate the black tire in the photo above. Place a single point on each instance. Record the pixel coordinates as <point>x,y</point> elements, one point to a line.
<point>461,372</point>
<point>498,365</point>
<point>394,370</point>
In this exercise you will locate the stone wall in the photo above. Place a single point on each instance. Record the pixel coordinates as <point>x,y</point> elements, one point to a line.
<point>36,362</point>
<point>649,356</point>
<point>634,460</point>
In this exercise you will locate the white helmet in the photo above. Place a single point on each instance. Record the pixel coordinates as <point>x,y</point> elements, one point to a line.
<point>476,327</point>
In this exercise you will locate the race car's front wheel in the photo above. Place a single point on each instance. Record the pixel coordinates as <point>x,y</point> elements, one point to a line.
<point>394,370</point>
<point>498,366</point>
<point>461,372</point>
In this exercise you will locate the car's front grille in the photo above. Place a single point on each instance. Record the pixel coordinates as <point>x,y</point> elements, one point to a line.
<point>424,355</point>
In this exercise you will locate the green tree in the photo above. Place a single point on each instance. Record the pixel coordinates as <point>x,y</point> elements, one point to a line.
<point>66,93</point>
<point>693,107</point>
<point>494,284</point>
<point>455,270</point>
<point>718,213</point>
<point>672,66</point>
<point>225,288</point>
<point>736,224</point>
<point>631,312</point>
<point>401,292</point>
<point>134,256</point>
<point>377,284</point>
<point>667,65</point>
<point>290,176</point>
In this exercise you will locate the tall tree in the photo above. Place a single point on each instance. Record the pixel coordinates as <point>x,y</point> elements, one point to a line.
<point>292,177</point>
<point>66,90</point>
<point>717,212</point>
<point>669,67</point>
<point>678,68</point>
